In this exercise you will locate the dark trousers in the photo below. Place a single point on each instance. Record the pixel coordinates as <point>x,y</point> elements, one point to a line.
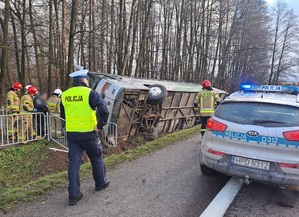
<point>93,149</point>
<point>203,121</point>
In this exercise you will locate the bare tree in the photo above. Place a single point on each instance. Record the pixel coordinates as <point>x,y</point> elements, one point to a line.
<point>226,41</point>
<point>70,65</point>
<point>285,35</point>
<point>4,48</point>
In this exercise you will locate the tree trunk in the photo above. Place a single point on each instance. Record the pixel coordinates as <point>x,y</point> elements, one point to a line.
<point>274,49</point>
<point>103,23</point>
<point>22,20</point>
<point>16,46</point>
<point>58,49</point>
<point>70,66</point>
<point>4,56</point>
<point>50,47</point>
<point>63,69</point>
<point>35,45</point>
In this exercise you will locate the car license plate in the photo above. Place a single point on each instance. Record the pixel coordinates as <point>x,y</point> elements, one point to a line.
<point>247,162</point>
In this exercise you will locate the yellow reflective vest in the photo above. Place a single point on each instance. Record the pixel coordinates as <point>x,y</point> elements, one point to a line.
<point>27,104</point>
<point>79,116</point>
<point>206,99</point>
<point>12,102</point>
<point>54,104</point>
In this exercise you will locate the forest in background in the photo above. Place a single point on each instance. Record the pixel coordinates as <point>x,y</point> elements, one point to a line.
<point>227,41</point>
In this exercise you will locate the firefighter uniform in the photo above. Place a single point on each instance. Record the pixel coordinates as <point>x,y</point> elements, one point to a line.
<point>26,128</point>
<point>13,107</point>
<point>54,104</point>
<point>54,108</point>
<point>206,100</point>
<point>84,110</point>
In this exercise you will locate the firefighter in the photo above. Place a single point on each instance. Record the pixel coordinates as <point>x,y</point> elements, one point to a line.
<point>27,131</point>
<point>13,107</point>
<point>54,102</point>
<point>204,103</point>
<point>85,113</point>
<point>54,108</point>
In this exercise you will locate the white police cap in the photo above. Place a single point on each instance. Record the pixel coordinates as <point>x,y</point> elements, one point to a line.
<point>80,72</point>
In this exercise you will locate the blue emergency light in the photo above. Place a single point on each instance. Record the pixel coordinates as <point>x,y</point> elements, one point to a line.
<point>245,86</point>
<point>270,88</point>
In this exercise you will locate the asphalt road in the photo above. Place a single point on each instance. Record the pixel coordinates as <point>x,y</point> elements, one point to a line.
<point>264,200</point>
<point>165,183</point>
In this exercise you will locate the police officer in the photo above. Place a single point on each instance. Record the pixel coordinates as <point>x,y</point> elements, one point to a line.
<point>54,102</point>
<point>13,107</point>
<point>205,103</point>
<point>85,113</point>
<point>27,107</point>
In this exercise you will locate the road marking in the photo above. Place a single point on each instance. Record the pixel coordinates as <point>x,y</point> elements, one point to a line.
<point>223,199</point>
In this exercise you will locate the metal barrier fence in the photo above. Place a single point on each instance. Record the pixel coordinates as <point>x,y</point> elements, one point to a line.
<point>56,130</point>
<point>2,112</point>
<point>22,128</point>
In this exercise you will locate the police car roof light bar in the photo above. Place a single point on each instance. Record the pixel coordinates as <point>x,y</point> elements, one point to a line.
<point>245,86</point>
<point>270,88</point>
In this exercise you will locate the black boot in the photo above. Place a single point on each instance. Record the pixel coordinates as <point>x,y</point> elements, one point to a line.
<point>101,187</point>
<point>74,200</point>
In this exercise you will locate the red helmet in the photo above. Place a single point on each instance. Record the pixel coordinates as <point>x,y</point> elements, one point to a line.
<point>17,86</point>
<point>206,83</point>
<point>32,90</point>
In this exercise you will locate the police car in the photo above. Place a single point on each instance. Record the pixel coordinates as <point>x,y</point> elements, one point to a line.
<point>254,135</point>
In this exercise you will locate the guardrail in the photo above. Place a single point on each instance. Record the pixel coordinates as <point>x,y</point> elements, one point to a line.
<point>23,128</point>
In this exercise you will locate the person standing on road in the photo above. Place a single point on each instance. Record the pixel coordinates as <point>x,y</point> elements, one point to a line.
<point>204,103</point>
<point>13,103</point>
<point>85,113</point>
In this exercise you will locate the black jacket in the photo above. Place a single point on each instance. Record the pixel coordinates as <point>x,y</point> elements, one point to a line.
<point>40,105</point>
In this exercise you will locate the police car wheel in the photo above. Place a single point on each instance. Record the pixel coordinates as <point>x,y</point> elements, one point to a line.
<point>157,94</point>
<point>207,170</point>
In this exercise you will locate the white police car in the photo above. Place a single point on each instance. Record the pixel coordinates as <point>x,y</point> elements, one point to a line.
<point>254,134</point>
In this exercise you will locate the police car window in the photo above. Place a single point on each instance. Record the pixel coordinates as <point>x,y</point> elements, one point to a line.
<point>262,114</point>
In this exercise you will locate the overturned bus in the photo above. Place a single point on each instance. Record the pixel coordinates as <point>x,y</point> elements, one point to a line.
<point>143,105</point>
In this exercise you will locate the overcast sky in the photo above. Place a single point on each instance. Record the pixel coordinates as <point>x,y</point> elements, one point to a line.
<point>294,4</point>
